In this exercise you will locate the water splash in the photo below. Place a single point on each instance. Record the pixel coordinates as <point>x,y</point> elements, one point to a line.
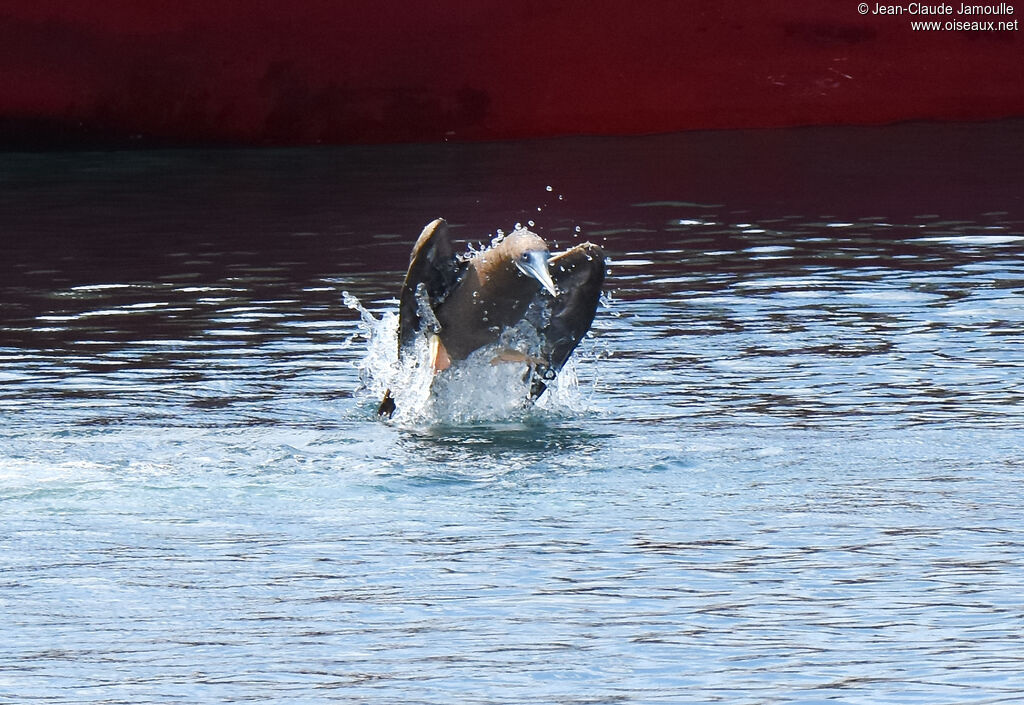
<point>472,390</point>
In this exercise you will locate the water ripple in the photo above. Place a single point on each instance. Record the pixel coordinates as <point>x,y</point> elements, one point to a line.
<point>791,476</point>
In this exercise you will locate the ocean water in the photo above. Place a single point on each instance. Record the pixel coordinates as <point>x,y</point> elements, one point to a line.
<point>787,468</point>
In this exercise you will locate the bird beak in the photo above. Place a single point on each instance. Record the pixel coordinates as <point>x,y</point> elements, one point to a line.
<point>536,265</point>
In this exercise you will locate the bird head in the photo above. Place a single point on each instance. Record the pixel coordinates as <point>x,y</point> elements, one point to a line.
<point>534,263</point>
<point>530,255</point>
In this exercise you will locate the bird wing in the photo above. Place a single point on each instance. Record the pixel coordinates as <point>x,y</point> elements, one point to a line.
<point>578,273</point>
<point>435,266</point>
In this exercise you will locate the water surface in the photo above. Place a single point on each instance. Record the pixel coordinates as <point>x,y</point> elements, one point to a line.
<point>791,471</point>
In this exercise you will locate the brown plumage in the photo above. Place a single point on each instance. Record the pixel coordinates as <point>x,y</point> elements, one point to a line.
<point>473,299</point>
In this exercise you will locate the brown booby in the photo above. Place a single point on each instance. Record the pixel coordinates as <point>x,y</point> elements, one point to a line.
<point>463,303</point>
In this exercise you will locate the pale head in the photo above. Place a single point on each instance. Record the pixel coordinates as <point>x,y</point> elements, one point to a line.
<point>530,255</point>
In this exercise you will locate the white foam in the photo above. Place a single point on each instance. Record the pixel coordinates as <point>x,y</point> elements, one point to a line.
<point>471,390</point>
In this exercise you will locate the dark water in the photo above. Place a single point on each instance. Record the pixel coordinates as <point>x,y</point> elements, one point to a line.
<point>792,473</point>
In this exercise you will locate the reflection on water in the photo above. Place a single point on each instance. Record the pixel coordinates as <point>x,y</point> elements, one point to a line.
<point>794,476</point>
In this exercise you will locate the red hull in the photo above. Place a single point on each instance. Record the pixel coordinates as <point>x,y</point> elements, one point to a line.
<point>339,72</point>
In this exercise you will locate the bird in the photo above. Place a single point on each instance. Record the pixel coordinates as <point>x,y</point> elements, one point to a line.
<point>464,302</point>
